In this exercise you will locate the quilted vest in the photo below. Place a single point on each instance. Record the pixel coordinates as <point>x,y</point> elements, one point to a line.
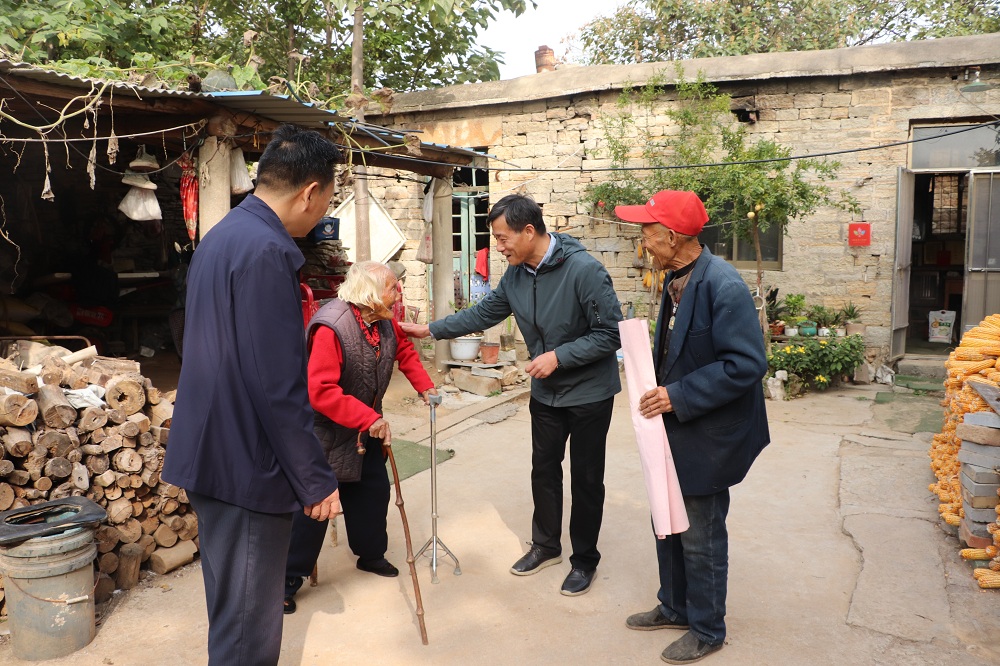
<point>362,376</point>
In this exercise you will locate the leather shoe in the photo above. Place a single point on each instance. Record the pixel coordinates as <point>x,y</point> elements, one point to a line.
<point>534,561</point>
<point>688,649</point>
<point>289,606</point>
<point>577,582</point>
<point>652,620</point>
<point>380,567</point>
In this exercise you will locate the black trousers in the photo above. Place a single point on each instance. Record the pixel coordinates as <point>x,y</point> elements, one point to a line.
<point>365,503</point>
<point>586,427</point>
<point>243,588</point>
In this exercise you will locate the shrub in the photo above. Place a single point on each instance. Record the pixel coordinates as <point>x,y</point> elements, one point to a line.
<point>819,361</point>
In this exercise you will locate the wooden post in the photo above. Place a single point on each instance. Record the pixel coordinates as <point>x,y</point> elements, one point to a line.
<point>362,230</point>
<point>444,279</point>
<point>213,183</point>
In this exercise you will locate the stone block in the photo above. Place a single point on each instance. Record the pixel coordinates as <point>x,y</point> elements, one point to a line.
<point>466,381</point>
<point>981,496</point>
<point>979,474</point>
<point>988,419</point>
<point>987,515</point>
<point>978,434</point>
<point>977,454</point>
<point>974,535</point>
<point>511,375</point>
<point>786,114</point>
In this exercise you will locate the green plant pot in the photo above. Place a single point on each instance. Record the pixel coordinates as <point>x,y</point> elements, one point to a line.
<point>807,328</point>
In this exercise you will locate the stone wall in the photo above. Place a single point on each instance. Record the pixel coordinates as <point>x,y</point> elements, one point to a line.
<point>808,114</point>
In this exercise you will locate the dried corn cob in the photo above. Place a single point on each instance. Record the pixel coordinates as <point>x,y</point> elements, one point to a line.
<point>974,554</point>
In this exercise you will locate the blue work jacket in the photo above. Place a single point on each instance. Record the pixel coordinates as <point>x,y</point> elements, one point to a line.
<point>242,428</point>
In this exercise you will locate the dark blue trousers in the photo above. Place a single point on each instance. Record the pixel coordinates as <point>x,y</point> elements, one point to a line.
<point>586,427</point>
<point>243,587</point>
<point>694,568</point>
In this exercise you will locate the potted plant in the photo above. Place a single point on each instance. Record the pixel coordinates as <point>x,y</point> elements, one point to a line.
<point>850,314</point>
<point>466,347</point>
<point>824,317</point>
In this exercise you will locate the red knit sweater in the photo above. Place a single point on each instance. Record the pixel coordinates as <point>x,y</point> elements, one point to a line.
<point>325,364</point>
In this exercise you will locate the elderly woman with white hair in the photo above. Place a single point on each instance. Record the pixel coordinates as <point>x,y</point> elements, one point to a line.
<point>353,344</point>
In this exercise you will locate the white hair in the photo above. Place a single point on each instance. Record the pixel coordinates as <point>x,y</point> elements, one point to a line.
<point>365,283</point>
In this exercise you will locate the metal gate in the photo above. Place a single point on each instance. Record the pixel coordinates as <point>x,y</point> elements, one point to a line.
<point>905,182</point>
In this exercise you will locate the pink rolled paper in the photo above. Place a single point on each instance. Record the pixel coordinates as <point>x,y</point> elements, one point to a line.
<point>666,503</point>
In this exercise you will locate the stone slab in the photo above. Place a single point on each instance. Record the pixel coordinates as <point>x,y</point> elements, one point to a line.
<point>988,419</point>
<point>980,501</point>
<point>974,534</point>
<point>916,611</point>
<point>984,516</point>
<point>980,474</point>
<point>979,489</point>
<point>486,372</point>
<point>976,454</point>
<point>465,380</point>
<point>978,434</point>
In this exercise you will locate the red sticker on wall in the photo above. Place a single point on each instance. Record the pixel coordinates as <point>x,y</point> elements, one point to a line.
<point>859,233</point>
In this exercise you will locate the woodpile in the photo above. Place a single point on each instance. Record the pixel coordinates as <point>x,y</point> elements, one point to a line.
<point>109,450</point>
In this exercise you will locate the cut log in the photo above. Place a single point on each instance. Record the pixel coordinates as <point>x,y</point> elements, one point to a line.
<point>69,359</point>
<point>104,588</point>
<point>164,536</point>
<point>6,496</point>
<point>43,483</point>
<point>130,530</point>
<point>149,524</point>
<point>18,477</point>
<point>58,468</point>
<point>116,366</point>
<point>129,428</point>
<point>92,449</point>
<point>190,529</point>
<point>153,395</point>
<point>32,352</point>
<point>107,563</point>
<point>97,464</point>
<point>165,560</point>
<point>161,414</point>
<point>112,492</point>
<point>57,442</point>
<point>17,410</point>
<point>80,477</point>
<point>99,435</point>
<point>141,421</point>
<point>22,382</point>
<point>55,408</point>
<point>75,456</point>
<point>92,418</point>
<point>17,442</point>
<point>148,544</point>
<point>116,416</point>
<point>122,480</point>
<point>95,494</point>
<point>65,489</point>
<point>160,434</point>
<point>148,476</point>
<point>127,460</point>
<point>52,371</point>
<point>147,439</point>
<point>129,560</point>
<point>7,466</point>
<point>169,506</point>
<point>112,443</point>
<point>34,462</point>
<point>75,377</point>
<point>126,393</point>
<point>119,510</point>
<point>107,538</point>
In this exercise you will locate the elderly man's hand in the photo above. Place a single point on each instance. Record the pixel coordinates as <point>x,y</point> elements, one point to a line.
<point>326,509</point>
<point>426,393</point>
<point>655,402</point>
<point>543,366</point>
<point>415,330</point>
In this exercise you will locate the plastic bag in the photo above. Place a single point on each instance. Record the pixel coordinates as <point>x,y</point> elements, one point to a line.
<point>941,324</point>
<point>425,251</point>
<point>239,177</point>
<point>140,204</point>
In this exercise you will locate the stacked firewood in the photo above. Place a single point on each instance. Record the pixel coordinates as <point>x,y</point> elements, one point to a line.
<point>110,451</point>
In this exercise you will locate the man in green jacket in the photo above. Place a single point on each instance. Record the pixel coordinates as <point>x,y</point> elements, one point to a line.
<point>567,310</point>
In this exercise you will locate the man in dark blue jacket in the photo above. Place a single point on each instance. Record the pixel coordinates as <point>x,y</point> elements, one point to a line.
<point>567,310</point>
<point>709,357</point>
<point>242,442</point>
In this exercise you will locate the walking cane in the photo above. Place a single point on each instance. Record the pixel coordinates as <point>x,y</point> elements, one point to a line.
<point>409,547</point>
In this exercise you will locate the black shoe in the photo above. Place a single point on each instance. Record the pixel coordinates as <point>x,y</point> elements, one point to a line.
<point>534,561</point>
<point>688,649</point>
<point>577,582</point>
<point>289,605</point>
<point>652,620</point>
<point>380,567</point>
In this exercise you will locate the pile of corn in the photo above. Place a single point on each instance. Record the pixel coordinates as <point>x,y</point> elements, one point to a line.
<point>977,359</point>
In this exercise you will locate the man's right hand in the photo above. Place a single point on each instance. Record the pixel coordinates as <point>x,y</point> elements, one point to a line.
<point>415,330</point>
<point>380,430</point>
<point>326,509</point>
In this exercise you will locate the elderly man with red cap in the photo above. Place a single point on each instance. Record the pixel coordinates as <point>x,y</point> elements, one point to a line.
<point>710,359</point>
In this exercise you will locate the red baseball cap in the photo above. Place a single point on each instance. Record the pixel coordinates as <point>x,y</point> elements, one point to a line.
<point>681,211</point>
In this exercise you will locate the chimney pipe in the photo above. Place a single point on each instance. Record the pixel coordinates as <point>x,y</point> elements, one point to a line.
<point>545,59</point>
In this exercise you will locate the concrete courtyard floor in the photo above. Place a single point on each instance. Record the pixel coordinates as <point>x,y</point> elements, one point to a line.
<point>836,557</point>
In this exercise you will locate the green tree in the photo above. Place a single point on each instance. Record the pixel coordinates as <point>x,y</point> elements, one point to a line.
<point>751,184</point>
<point>660,30</point>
